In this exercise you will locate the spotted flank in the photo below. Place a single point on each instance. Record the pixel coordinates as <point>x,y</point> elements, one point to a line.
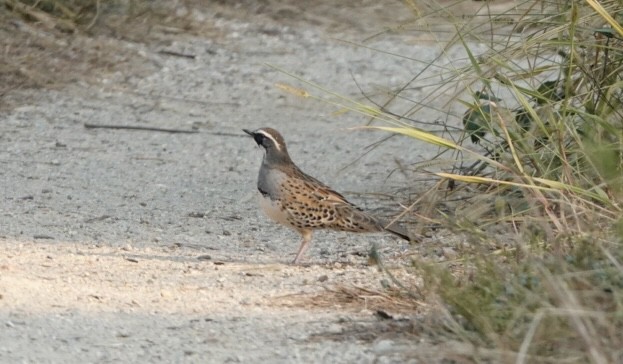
<point>314,206</point>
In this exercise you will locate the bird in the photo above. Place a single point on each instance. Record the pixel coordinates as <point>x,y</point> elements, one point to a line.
<point>299,201</point>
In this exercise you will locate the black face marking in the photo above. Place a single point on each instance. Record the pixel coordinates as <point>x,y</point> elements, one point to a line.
<point>264,193</point>
<point>259,138</point>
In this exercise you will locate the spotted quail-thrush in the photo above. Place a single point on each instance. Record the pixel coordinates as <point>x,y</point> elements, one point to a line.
<point>301,202</point>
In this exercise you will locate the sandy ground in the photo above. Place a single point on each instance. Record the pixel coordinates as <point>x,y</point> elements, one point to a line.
<point>140,246</point>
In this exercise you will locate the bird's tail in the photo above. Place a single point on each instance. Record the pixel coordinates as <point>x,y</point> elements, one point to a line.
<point>398,231</point>
<point>358,221</point>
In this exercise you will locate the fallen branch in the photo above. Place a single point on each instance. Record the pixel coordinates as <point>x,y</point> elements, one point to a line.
<point>135,127</point>
<point>177,54</point>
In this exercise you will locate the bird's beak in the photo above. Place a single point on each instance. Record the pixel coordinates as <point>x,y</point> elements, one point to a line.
<point>253,135</point>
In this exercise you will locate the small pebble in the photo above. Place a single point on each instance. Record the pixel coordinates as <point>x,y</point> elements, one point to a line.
<point>383,346</point>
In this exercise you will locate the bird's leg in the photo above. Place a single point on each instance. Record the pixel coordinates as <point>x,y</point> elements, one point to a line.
<point>307,235</point>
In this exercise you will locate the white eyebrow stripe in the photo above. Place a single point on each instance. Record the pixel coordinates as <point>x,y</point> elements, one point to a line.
<point>277,145</point>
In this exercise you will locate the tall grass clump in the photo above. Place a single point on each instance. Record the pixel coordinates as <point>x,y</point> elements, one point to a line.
<point>531,180</point>
<point>541,273</point>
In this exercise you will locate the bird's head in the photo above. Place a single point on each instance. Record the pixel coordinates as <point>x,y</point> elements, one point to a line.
<point>272,142</point>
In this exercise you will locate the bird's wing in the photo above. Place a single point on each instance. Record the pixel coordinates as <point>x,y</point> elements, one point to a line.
<point>312,204</point>
<point>319,190</point>
<point>321,206</point>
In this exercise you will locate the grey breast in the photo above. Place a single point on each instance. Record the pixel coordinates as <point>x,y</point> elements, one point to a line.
<point>269,182</point>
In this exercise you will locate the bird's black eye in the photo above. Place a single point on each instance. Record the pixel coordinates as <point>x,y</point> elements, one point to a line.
<point>259,138</point>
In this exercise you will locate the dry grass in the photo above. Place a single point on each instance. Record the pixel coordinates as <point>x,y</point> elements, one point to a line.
<point>547,178</point>
<point>52,43</point>
<point>352,298</point>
